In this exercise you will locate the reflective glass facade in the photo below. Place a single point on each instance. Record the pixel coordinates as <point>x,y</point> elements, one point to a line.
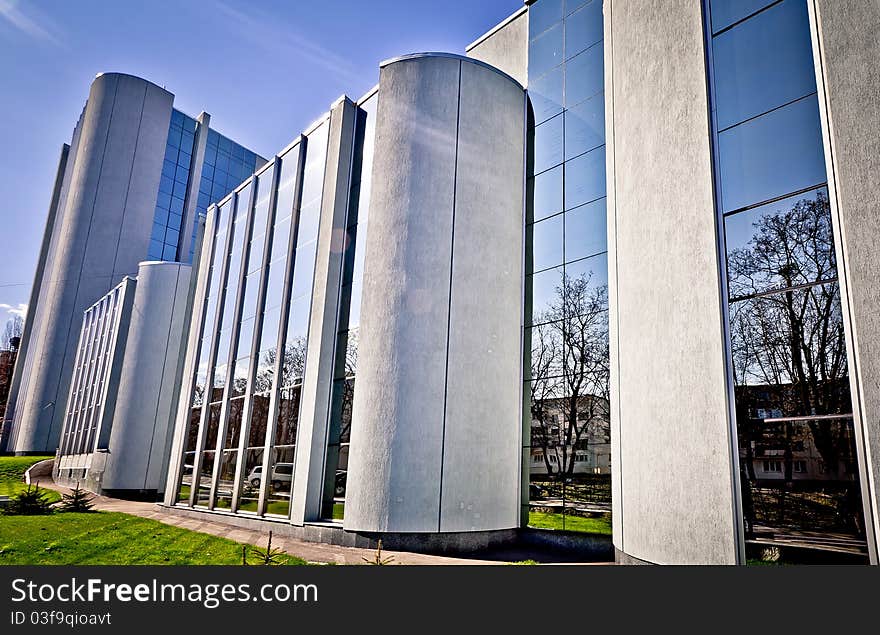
<point>567,439</point>
<point>91,373</point>
<point>796,440</point>
<point>257,302</point>
<point>226,164</point>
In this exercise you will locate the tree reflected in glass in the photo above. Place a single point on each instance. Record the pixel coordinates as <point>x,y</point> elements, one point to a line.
<point>569,394</point>
<point>793,406</point>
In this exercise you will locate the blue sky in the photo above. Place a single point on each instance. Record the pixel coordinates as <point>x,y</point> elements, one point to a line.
<point>262,69</point>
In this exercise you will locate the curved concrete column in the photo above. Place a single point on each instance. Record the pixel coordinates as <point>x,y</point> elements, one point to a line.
<point>146,396</point>
<point>436,433</point>
<point>116,166</point>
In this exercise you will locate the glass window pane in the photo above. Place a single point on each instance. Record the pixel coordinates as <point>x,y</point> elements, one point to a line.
<point>546,295</point>
<point>763,63</point>
<point>585,126</point>
<point>546,243</point>
<point>545,51</point>
<point>585,178</point>
<point>583,28</point>
<point>780,245</point>
<point>304,270</point>
<point>542,15</point>
<point>545,94</point>
<point>726,12</point>
<point>789,354</point>
<point>593,274</point>
<point>548,193</point>
<point>586,231</point>
<point>770,156</point>
<point>548,144</point>
<point>584,75</point>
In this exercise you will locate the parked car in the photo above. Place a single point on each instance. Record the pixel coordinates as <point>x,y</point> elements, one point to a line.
<point>282,473</point>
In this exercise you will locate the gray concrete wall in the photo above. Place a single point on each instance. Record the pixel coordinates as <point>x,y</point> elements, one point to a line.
<point>847,56</point>
<point>28,326</point>
<point>673,480</point>
<point>506,46</point>
<point>317,387</point>
<point>436,432</point>
<point>147,388</point>
<point>103,233</point>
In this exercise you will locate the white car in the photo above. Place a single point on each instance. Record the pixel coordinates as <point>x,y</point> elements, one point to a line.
<point>282,474</point>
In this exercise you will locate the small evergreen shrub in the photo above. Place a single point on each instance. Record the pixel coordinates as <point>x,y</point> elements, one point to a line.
<point>78,501</point>
<point>31,502</point>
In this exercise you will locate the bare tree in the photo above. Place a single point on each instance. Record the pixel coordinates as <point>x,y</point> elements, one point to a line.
<point>570,367</point>
<point>11,333</point>
<point>788,347</point>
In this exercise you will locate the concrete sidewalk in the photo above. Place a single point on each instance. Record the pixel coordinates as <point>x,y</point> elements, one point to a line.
<point>310,551</point>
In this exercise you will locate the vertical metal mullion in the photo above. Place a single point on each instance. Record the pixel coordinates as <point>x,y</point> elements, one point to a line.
<point>84,420</point>
<point>199,304</point>
<point>98,390</point>
<point>123,296</point>
<point>247,408</point>
<point>95,389</point>
<point>271,423</point>
<point>209,375</point>
<point>234,327</point>
<point>83,379</point>
<point>72,393</point>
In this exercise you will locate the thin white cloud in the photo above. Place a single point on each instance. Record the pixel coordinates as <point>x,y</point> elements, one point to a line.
<point>19,310</point>
<point>35,25</point>
<point>279,38</point>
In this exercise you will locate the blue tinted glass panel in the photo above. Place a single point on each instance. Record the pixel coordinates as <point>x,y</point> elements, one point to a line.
<point>548,144</point>
<point>585,178</point>
<point>548,193</point>
<point>586,232</point>
<point>583,28</point>
<point>546,243</point>
<point>584,75</point>
<point>594,270</point>
<point>545,51</point>
<point>780,245</point>
<point>726,12</point>
<point>585,126</point>
<point>543,15</point>
<point>763,63</point>
<point>773,155</point>
<point>546,95</point>
<point>546,294</point>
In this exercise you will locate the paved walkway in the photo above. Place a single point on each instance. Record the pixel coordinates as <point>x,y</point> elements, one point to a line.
<point>311,551</point>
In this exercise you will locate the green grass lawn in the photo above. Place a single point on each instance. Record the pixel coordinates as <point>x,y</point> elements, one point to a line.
<point>12,469</point>
<point>111,538</point>
<point>543,520</point>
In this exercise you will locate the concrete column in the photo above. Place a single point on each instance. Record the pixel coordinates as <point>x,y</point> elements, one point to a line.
<point>103,234</point>
<point>12,397</point>
<point>672,448</point>
<point>192,187</point>
<point>148,382</point>
<point>436,434</point>
<point>847,55</point>
<point>317,387</point>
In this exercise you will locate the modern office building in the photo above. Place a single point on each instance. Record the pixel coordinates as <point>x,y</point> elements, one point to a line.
<point>613,270</point>
<point>129,188</point>
<point>116,437</point>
